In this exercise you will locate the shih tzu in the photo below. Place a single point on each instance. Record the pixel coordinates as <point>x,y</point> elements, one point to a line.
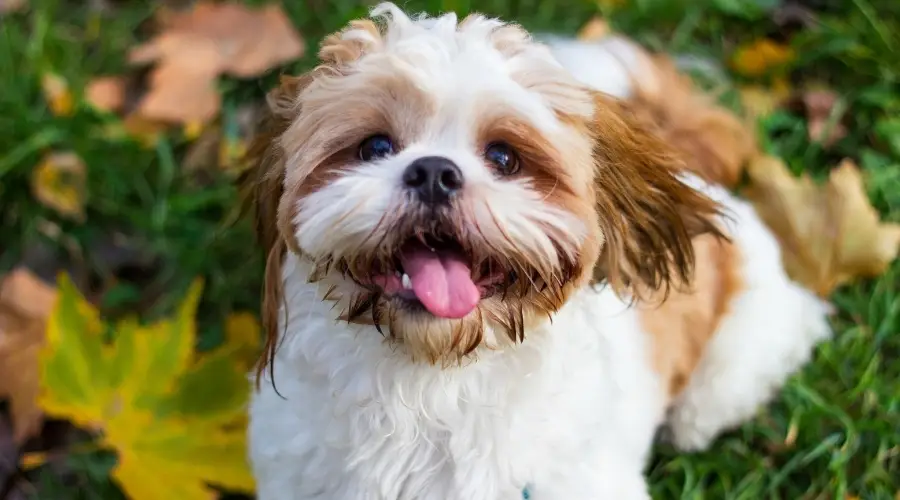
<point>488,276</point>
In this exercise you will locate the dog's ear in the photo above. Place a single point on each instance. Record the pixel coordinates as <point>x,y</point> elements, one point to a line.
<point>262,187</point>
<point>648,216</point>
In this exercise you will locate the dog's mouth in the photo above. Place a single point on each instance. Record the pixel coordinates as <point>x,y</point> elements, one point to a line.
<point>437,274</point>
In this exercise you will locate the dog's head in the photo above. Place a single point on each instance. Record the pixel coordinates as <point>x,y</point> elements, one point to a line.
<point>452,184</point>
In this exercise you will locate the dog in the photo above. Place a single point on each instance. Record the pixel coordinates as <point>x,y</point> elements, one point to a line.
<point>488,277</point>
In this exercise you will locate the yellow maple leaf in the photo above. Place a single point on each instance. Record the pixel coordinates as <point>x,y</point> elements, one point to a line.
<point>829,234</point>
<point>761,57</point>
<point>59,182</point>
<point>174,420</point>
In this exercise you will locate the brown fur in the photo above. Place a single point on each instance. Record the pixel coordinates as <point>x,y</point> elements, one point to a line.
<point>647,216</point>
<point>714,143</point>
<point>262,186</point>
<point>682,325</point>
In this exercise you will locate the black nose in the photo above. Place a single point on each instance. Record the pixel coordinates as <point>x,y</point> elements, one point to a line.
<point>433,178</point>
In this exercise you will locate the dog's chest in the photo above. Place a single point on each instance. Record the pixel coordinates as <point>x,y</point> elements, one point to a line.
<point>486,435</point>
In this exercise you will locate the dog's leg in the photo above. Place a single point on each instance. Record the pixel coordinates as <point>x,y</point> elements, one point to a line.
<point>769,332</point>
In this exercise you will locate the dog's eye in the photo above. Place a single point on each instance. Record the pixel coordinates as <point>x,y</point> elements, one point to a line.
<point>375,147</point>
<point>503,157</point>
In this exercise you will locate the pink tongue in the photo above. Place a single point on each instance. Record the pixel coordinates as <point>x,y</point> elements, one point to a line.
<point>441,280</point>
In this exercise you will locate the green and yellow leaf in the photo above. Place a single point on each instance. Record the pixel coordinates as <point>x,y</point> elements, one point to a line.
<point>173,418</point>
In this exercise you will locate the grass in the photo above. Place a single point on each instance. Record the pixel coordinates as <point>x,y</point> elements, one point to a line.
<point>833,433</point>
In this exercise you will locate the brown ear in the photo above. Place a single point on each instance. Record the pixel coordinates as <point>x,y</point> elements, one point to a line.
<point>262,186</point>
<point>647,215</point>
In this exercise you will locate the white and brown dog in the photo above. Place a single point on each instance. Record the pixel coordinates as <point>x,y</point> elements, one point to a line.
<point>487,274</point>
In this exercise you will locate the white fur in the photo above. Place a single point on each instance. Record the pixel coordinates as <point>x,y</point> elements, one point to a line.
<point>609,65</point>
<point>571,413</point>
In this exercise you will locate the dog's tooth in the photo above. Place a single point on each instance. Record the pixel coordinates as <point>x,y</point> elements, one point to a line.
<point>407,284</point>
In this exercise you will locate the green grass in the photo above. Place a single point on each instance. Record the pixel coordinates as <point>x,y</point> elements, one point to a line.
<point>844,409</point>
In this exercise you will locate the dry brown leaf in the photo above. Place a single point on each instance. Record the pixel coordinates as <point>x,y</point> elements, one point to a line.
<point>183,85</point>
<point>197,46</point>
<point>7,6</point>
<point>25,303</point>
<point>58,95</point>
<point>106,93</point>
<point>829,234</point>
<point>595,29</point>
<point>761,57</point>
<point>59,182</point>
<point>823,126</point>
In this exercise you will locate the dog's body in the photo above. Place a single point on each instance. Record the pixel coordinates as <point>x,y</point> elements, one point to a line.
<point>570,412</point>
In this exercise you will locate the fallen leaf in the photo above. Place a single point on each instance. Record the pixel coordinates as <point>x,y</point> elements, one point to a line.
<point>595,29</point>
<point>172,417</point>
<point>761,57</point>
<point>8,6</point>
<point>106,93</point>
<point>25,303</point>
<point>59,182</point>
<point>830,234</point>
<point>58,95</point>
<point>196,46</point>
<point>183,85</point>
<point>823,118</point>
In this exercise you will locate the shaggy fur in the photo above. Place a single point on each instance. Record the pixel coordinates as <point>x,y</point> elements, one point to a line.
<point>554,381</point>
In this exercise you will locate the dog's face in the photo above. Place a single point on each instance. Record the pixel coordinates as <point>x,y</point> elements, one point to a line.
<point>451,183</point>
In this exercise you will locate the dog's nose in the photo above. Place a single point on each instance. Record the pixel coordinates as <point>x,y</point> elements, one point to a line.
<point>434,179</point>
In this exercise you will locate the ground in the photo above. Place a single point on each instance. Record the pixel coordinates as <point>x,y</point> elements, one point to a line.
<point>833,433</point>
